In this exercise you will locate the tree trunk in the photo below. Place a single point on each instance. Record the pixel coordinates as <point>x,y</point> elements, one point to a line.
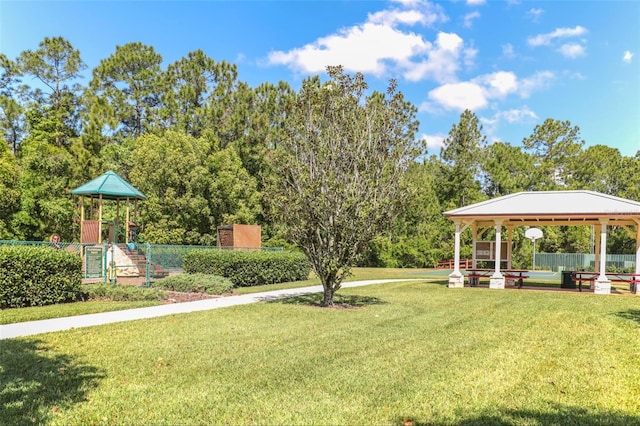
<point>327,302</point>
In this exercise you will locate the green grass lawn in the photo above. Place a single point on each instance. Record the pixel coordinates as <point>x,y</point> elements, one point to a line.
<point>410,352</point>
<point>35,313</point>
<point>14,315</point>
<point>358,274</point>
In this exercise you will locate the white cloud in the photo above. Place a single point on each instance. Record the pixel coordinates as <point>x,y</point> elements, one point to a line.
<point>434,142</point>
<point>572,50</point>
<point>468,56</point>
<point>428,16</point>
<point>378,45</point>
<point>491,125</point>
<point>523,115</point>
<point>477,94</point>
<point>546,39</point>
<point>442,61</point>
<point>539,80</point>
<point>507,51</point>
<point>460,96</point>
<point>469,17</point>
<point>626,56</point>
<point>352,48</point>
<point>535,14</point>
<point>498,84</point>
<point>476,2</point>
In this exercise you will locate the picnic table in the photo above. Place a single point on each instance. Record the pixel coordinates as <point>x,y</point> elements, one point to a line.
<point>474,275</point>
<point>620,277</point>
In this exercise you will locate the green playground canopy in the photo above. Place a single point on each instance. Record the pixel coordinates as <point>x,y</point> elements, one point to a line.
<point>111,187</point>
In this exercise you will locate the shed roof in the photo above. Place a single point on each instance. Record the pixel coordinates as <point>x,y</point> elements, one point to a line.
<point>110,186</point>
<point>551,206</point>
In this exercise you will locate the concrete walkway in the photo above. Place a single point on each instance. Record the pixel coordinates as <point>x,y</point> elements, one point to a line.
<point>21,329</point>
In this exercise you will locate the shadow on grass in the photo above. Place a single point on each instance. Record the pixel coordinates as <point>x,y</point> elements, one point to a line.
<point>631,314</point>
<point>35,382</point>
<point>340,301</point>
<point>559,415</point>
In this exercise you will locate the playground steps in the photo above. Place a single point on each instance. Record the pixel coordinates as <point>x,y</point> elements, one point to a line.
<point>140,260</point>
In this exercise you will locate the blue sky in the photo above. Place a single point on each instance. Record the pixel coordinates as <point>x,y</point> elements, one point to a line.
<point>514,63</point>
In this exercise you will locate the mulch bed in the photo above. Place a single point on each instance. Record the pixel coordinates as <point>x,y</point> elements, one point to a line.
<point>179,297</point>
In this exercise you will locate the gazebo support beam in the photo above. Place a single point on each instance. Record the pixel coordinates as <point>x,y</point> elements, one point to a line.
<point>603,284</point>
<point>100,219</point>
<point>456,279</point>
<point>509,245</point>
<point>126,230</point>
<point>637,270</point>
<point>497,279</point>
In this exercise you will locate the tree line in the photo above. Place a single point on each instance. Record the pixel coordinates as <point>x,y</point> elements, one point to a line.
<point>199,143</point>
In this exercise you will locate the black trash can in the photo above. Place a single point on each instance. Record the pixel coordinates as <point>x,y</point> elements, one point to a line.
<point>567,280</point>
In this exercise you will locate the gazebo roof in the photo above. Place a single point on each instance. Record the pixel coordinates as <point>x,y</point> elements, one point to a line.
<point>551,206</point>
<point>110,186</point>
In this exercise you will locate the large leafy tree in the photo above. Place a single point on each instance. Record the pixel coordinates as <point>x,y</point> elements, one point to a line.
<point>56,64</point>
<point>630,170</point>
<point>130,82</point>
<point>9,190</point>
<point>459,180</point>
<point>9,72</point>
<point>11,121</point>
<point>46,206</point>
<point>339,170</point>
<point>11,112</point>
<point>596,168</point>
<point>506,169</point>
<point>198,93</point>
<point>554,144</point>
<point>191,187</point>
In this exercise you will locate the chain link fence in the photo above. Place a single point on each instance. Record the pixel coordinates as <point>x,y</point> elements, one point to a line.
<point>558,262</point>
<point>136,264</point>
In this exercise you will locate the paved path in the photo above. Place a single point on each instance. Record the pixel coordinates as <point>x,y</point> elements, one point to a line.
<point>10,331</point>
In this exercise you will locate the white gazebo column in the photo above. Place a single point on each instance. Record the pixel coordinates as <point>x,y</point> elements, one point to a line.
<point>456,279</point>
<point>497,279</point>
<point>603,284</point>
<point>637,270</point>
<point>509,245</point>
<point>596,261</point>
<point>474,238</point>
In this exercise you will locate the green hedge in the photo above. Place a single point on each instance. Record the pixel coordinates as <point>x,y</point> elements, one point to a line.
<point>195,283</point>
<point>121,293</point>
<point>249,268</point>
<point>38,276</point>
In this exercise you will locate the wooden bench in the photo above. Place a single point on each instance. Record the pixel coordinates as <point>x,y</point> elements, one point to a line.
<point>616,277</point>
<point>517,275</point>
<point>474,275</point>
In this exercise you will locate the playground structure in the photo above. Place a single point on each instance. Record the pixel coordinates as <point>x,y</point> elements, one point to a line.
<point>111,243</point>
<point>107,187</point>
<point>110,248</point>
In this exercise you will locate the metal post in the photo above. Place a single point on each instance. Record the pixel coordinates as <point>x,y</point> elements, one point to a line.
<point>104,262</point>
<point>147,269</point>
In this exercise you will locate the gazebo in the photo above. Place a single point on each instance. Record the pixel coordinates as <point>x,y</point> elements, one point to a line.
<point>108,186</point>
<point>545,208</point>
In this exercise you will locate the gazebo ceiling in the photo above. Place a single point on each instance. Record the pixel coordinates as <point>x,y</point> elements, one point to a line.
<point>111,187</point>
<point>550,208</point>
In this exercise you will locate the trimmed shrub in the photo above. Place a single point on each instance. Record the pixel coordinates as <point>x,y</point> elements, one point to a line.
<point>249,268</point>
<point>121,293</point>
<point>38,276</point>
<point>195,283</point>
